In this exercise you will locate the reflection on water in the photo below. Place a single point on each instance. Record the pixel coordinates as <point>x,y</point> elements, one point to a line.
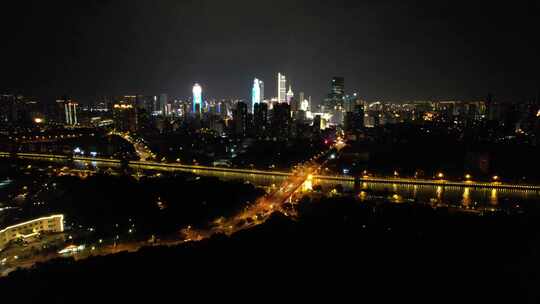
<point>493,197</point>
<point>439,193</point>
<point>363,195</point>
<point>466,201</point>
<point>451,195</point>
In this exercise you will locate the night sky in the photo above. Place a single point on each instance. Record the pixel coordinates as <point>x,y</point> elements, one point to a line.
<point>384,49</point>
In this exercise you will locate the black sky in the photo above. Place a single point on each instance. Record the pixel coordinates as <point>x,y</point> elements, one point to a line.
<point>385,49</point>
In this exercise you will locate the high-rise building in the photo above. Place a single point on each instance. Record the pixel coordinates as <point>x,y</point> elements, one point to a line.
<point>281,88</point>
<point>304,103</point>
<point>197,98</point>
<point>155,105</point>
<point>142,102</point>
<point>338,88</point>
<point>131,99</point>
<point>240,118</point>
<point>260,118</point>
<point>255,94</point>
<point>317,124</point>
<point>70,108</point>
<point>354,120</point>
<point>8,108</point>
<point>349,101</point>
<point>290,95</point>
<point>281,120</point>
<point>301,99</point>
<point>163,100</point>
<point>19,110</point>
<point>59,111</point>
<point>335,100</point>
<point>261,88</point>
<point>125,117</point>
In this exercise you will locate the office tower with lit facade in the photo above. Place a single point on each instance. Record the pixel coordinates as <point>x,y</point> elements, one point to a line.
<point>255,94</point>
<point>281,88</point>
<point>197,98</point>
<point>70,108</point>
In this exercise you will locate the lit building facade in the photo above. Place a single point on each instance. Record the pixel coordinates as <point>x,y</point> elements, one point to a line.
<point>70,109</point>
<point>261,88</point>
<point>29,229</point>
<point>125,117</point>
<point>197,98</point>
<point>290,95</point>
<point>255,94</point>
<point>281,88</point>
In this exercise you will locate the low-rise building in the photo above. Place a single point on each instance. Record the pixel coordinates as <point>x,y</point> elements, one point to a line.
<point>32,228</point>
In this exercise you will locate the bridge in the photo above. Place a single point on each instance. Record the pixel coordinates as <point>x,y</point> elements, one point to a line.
<point>154,165</point>
<point>258,212</point>
<point>141,148</point>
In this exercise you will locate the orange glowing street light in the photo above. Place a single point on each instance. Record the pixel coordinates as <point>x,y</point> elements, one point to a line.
<point>495,178</point>
<point>440,175</point>
<point>468,176</point>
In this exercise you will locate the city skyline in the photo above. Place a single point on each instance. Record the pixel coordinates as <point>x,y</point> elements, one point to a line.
<point>286,143</point>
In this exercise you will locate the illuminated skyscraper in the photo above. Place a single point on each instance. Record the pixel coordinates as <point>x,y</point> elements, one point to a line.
<point>197,98</point>
<point>255,94</point>
<point>125,117</point>
<point>290,95</point>
<point>71,113</point>
<point>304,103</point>
<point>338,88</point>
<point>261,88</point>
<point>335,100</point>
<point>281,88</point>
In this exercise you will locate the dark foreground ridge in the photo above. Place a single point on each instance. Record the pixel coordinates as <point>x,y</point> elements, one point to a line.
<point>338,249</point>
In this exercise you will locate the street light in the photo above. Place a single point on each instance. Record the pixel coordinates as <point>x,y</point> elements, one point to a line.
<point>495,178</point>
<point>440,175</point>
